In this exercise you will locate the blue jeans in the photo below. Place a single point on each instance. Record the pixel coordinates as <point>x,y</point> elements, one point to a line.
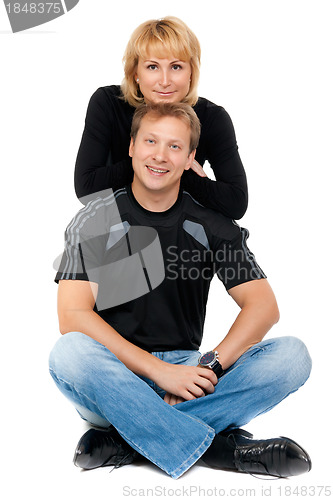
<point>105,391</point>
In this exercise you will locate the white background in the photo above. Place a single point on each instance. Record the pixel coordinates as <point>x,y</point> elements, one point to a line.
<point>269,64</point>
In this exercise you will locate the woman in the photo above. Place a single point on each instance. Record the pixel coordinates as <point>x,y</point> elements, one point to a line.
<point>161,64</point>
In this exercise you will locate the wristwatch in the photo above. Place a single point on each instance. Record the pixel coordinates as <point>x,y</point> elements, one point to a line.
<point>210,359</point>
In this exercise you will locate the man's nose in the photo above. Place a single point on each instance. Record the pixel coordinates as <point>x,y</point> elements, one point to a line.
<point>160,154</point>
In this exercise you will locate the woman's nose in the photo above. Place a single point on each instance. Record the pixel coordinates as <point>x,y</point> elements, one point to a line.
<point>165,78</point>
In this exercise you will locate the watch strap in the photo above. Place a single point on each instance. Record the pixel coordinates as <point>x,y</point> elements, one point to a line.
<point>217,368</point>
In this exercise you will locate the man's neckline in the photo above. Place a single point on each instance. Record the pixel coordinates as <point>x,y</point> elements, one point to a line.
<point>155,215</point>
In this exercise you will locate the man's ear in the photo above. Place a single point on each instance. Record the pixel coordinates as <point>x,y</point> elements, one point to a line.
<point>190,159</point>
<point>131,147</point>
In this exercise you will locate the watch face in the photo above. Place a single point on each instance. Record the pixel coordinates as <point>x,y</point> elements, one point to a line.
<point>207,358</point>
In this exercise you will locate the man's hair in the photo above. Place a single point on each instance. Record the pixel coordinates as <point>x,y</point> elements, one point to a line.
<point>176,110</point>
<point>169,36</point>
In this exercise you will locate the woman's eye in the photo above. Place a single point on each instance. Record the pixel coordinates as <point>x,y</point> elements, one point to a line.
<point>176,66</point>
<point>152,66</point>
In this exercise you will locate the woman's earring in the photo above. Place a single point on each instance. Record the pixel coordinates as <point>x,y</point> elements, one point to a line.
<point>137,80</point>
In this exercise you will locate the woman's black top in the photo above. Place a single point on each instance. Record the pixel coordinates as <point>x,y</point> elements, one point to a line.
<point>103,161</point>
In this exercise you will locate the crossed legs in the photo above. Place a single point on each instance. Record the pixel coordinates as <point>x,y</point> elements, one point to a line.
<point>175,437</point>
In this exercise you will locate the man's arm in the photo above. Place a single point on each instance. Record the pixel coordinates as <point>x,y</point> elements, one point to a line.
<point>259,312</point>
<point>76,300</point>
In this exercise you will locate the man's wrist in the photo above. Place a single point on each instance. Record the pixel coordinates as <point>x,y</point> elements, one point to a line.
<point>210,359</point>
<point>154,368</point>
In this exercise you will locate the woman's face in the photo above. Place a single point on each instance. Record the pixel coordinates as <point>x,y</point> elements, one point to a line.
<point>163,80</point>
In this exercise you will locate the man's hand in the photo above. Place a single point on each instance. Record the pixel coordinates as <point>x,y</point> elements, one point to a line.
<point>172,400</point>
<point>185,382</point>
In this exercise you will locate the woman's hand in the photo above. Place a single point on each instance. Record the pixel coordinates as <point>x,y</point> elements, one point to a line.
<point>197,168</point>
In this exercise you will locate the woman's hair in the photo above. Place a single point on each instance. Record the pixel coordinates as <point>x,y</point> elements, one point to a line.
<point>179,110</point>
<point>159,36</point>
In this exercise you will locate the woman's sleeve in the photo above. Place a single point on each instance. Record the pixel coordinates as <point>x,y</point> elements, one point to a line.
<point>228,194</point>
<point>94,170</point>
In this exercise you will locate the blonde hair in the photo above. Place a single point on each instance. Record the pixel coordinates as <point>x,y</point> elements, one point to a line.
<point>159,36</point>
<point>179,110</point>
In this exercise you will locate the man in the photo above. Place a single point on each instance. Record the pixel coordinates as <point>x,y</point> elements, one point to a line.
<point>132,364</point>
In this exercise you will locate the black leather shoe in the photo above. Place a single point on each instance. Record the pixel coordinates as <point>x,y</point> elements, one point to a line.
<point>238,432</point>
<point>99,448</point>
<point>279,457</point>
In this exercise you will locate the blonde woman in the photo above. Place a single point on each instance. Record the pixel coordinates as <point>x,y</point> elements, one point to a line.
<point>161,64</point>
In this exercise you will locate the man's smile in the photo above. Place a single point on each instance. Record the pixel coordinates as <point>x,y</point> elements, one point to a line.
<point>157,171</point>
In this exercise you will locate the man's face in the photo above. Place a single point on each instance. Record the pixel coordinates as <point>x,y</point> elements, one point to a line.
<point>160,153</point>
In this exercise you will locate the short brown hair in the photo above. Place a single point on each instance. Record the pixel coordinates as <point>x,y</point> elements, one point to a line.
<point>179,110</point>
<point>170,35</point>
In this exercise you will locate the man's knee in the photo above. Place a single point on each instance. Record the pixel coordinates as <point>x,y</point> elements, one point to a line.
<point>68,356</point>
<point>79,360</point>
<point>296,362</point>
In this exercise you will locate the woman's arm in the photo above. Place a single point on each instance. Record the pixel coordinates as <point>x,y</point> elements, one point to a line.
<point>94,169</point>
<point>228,194</point>
<point>103,161</point>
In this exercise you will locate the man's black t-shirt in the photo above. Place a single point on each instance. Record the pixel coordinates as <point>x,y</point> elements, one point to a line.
<point>193,244</point>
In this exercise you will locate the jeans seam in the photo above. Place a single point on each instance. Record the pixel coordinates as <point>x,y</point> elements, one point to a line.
<point>260,348</point>
<point>61,380</point>
<point>186,465</point>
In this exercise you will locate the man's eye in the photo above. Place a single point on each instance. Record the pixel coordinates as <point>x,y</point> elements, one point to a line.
<point>174,146</point>
<point>150,141</point>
